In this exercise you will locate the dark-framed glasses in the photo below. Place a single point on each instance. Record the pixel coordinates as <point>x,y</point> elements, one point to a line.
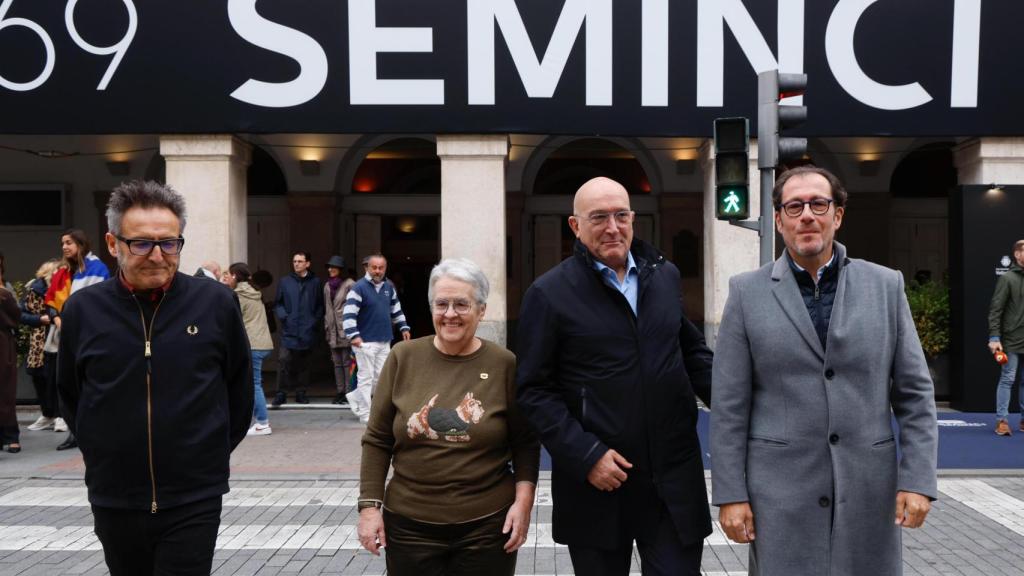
<point>143,246</point>
<point>622,217</point>
<point>441,306</point>
<point>795,208</point>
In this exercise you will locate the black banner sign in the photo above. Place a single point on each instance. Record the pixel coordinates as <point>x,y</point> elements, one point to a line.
<point>622,67</point>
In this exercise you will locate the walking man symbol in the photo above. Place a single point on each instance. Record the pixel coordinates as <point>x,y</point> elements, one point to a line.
<point>732,202</point>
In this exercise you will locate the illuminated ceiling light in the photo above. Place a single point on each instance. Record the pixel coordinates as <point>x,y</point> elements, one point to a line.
<point>406,225</point>
<point>309,167</point>
<point>119,168</point>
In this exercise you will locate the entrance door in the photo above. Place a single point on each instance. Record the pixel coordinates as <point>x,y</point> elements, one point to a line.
<point>412,246</point>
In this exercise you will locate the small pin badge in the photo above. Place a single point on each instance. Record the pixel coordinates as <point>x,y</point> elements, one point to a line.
<point>484,376</point>
<point>192,330</point>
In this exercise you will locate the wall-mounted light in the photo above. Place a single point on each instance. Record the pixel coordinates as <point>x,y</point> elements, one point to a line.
<point>407,224</point>
<point>869,167</point>
<point>686,166</point>
<point>309,167</point>
<point>994,190</point>
<point>122,168</point>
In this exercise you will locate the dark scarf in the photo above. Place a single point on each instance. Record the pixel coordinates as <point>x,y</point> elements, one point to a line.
<point>334,283</point>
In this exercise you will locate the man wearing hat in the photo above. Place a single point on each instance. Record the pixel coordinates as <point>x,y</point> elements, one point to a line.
<point>335,291</point>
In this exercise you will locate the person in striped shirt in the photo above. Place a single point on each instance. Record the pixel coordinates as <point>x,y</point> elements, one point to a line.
<point>372,310</point>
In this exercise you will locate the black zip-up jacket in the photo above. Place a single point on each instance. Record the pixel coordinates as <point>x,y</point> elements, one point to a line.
<point>157,431</point>
<point>821,295</point>
<point>592,376</point>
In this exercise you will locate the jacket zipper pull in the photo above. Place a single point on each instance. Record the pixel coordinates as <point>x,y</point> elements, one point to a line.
<point>152,508</point>
<point>817,296</point>
<point>149,351</point>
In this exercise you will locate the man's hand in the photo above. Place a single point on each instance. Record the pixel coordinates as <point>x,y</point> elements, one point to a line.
<point>56,321</point>
<point>911,509</point>
<point>406,334</point>
<point>356,342</point>
<point>610,471</point>
<point>371,530</point>
<point>737,520</point>
<point>995,346</point>
<point>44,320</point>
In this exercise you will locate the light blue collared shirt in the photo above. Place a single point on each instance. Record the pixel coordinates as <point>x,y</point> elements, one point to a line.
<point>821,271</point>
<point>629,285</point>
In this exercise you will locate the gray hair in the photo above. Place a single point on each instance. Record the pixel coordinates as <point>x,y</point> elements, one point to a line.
<point>142,194</point>
<point>464,270</point>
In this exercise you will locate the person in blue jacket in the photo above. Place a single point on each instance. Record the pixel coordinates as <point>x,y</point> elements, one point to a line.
<point>300,308</point>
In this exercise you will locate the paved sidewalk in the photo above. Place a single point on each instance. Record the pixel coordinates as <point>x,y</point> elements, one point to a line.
<point>292,511</point>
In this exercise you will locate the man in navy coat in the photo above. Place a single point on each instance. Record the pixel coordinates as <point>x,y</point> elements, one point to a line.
<point>608,365</point>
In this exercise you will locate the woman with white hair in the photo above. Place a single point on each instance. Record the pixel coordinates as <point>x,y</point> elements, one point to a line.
<point>465,464</point>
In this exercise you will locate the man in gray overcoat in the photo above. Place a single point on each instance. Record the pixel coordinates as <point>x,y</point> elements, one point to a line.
<point>816,354</point>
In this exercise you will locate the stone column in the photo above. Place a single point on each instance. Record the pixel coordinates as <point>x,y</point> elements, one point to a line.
<point>473,216</point>
<point>210,172</point>
<point>728,249</point>
<point>997,160</point>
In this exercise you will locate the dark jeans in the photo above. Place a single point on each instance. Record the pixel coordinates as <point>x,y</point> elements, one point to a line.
<point>177,540</point>
<point>661,554</point>
<point>47,398</point>
<point>50,375</point>
<point>470,548</point>
<point>293,370</point>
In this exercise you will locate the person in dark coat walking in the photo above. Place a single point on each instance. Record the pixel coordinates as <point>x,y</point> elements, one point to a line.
<point>1006,334</point>
<point>300,308</point>
<point>153,377</point>
<point>608,366</point>
<point>10,316</point>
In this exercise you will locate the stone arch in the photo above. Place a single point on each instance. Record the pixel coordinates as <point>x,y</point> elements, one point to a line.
<point>550,145</point>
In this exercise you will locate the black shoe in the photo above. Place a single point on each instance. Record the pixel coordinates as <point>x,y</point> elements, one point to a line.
<point>279,399</point>
<point>300,398</point>
<point>12,448</point>
<point>68,443</point>
<point>340,400</point>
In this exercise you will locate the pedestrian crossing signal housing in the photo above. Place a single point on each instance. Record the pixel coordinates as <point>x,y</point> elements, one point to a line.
<point>732,164</point>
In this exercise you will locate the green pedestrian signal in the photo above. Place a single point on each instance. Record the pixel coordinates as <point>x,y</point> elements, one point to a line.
<point>733,203</point>
<point>732,165</point>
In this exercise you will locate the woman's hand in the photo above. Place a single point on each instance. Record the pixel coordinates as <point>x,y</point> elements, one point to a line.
<point>371,530</point>
<point>517,520</point>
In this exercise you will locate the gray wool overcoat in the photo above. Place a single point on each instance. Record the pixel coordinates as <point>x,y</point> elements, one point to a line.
<point>806,435</point>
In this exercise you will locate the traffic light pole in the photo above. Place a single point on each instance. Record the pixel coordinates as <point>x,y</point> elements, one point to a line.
<point>767,229</point>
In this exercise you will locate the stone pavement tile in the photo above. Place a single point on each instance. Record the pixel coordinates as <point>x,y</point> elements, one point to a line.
<point>280,559</point>
<point>293,566</point>
<point>315,566</point>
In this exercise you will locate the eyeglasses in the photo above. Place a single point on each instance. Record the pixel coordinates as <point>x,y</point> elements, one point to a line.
<point>795,208</point>
<point>461,307</point>
<point>622,217</point>
<point>142,247</point>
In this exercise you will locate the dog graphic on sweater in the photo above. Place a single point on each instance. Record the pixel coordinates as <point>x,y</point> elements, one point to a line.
<point>452,423</point>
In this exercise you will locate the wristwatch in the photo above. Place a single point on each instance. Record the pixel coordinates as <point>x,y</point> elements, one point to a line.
<point>369,504</point>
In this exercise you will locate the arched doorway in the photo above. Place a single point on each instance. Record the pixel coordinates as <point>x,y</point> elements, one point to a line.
<point>392,206</point>
<point>919,224</point>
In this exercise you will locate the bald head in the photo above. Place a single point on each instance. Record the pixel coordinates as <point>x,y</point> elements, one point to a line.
<point>596,188</point>
<point>603,221</point>
<point>213,267</point>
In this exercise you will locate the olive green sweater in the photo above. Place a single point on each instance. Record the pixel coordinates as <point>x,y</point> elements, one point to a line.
<point>450,427</point>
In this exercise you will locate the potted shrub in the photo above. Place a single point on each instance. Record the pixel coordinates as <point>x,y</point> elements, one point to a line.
<point>929,306</point>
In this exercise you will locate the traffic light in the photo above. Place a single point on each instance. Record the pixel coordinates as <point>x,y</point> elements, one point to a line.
<point>773,118</point>
<point>732,181</point>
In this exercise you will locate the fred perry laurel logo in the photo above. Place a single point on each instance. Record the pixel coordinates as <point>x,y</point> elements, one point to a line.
<point>484,376</point>
<point>192,330</point>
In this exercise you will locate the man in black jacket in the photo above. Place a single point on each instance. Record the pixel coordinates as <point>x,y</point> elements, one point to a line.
<point>608,365</point>
<point>153,377</point>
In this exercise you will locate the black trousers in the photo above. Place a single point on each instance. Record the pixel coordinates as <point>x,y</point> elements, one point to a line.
<point>293,370</point>
<point>176,541</point>
<point>467,549</point>
<point>661,554</point>
<point>47,399</point>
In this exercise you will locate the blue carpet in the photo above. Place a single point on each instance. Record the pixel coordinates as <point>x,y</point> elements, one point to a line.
<point>966,440</point>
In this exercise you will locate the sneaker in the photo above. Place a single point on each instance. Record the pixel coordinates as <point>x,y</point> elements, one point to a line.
<point>1003,428</point>
<point>279,399</point>
<point>1021,427</point>
<point>42,423</point>
<point>259,430</point>
<point>59,425</point>
<point>300,398</point>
